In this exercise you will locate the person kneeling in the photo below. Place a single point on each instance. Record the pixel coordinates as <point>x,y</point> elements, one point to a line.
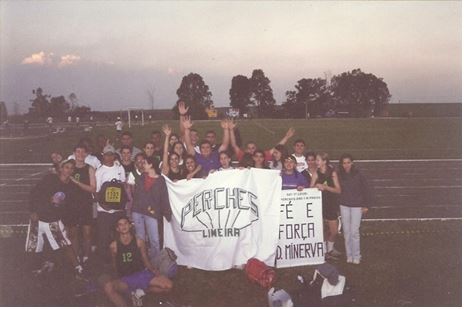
<point>130,261</point>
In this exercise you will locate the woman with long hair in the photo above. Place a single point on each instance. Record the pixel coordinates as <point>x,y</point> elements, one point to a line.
<point>192,168</point>
<point>179,148</point>
<point>312,167</point>
<point>354,202</point>
<point>277,163</point>
<point>326,180</point>
<point>170,164</point>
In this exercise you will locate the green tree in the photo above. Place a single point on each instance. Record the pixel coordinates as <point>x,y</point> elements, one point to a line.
<point>40,104</point>
<point>240,93</point>
<point>59,107</point>
<point>196,95</point>
<point>261,93</point>
<point>311,98</point>
<point>362,94</point>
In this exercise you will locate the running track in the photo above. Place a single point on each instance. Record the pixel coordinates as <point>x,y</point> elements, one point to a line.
<point>403,189</point>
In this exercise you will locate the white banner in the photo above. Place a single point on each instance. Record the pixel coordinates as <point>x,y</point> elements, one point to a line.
<point>301,229</point>
<point>225,219</point>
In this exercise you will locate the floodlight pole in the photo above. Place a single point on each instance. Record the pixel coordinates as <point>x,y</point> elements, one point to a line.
<point>143,119</point>
<point>129,117</point>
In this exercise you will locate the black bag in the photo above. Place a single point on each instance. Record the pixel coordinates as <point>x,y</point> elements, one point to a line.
<point>308,294</point>
<point>112,195</point>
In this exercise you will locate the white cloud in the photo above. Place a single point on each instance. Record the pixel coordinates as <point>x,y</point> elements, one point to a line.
<point>68,60</point>
<point>40,58</point>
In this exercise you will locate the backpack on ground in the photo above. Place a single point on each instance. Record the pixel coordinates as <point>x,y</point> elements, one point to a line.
<point>112,195</point>
<point>260,273</point>
<point>165,261</point>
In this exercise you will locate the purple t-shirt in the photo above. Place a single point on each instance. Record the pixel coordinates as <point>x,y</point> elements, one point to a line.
<point>293,181</point>
<point>209,163</point>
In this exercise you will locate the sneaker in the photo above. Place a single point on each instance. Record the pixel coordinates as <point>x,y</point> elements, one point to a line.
<point>136,297</point>
<point>356,261</point>
<point>349,260</point>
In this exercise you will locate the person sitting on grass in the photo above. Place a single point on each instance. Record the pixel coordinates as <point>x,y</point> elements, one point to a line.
<point>136,274</point>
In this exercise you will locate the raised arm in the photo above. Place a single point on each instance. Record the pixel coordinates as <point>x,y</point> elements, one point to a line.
<point>167,132</point>
<point>284,140</point>
<point>187,124</point>
<point>182,116</point>
<point>233,141</point>
<point>226,136</point>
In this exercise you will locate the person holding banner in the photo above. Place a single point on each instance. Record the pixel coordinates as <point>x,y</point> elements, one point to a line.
<point>312,167</point>
<point>326,180</point>
<point>258,159</point>
<point>354,202</point>
<point>291,178</point>
<point>277,162</point>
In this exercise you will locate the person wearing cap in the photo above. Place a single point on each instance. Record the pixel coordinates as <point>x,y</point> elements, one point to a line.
<point>291,178</point>
<point>49,200</point>
<point>106,218</point>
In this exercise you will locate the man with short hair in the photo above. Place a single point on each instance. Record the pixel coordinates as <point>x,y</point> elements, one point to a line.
<point>106,219</point>
<point>49,201</point>
<point>207,158</point>
<point>130,261</point>
<point>299,149</point>
<point>210,136</point>
<point>119,124</point>
<point>127,140</point>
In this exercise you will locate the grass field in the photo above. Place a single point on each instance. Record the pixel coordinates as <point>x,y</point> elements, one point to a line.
<point>404,264</point>
<point>381,138</point>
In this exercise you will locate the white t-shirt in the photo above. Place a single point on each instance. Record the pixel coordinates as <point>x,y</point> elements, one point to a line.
<point>118,125</point>
<point>131,178</point>
<point>90,160</point>
<point>301,164</point>
<point>106,173</point>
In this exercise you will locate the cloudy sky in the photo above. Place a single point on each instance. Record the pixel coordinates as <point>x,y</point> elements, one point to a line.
<point>111,53</point>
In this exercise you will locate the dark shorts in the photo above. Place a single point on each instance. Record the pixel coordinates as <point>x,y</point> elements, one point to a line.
<point>79,216</point>
<point>138,280</point>
<point>330,211</point>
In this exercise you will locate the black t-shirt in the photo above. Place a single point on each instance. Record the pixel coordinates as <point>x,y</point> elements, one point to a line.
<point>128,168</point>
<point>176,176</point>
<point>306,174</point>
<point>51,198</point>
<point>128,258</point>
<point>82,174</point>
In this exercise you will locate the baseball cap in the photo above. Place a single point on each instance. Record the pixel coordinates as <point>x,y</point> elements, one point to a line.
<point>109,149</point>
<point>290,157</point>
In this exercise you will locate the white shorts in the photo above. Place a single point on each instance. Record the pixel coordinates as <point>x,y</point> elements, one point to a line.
<point>53,231</point>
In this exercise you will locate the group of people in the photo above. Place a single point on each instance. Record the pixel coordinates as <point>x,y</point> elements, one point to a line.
<point>70,215</point>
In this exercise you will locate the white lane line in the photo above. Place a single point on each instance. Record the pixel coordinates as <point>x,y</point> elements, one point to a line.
<point>413,160</point>
<point>25,164</point>
<point>13,201</point>
<point>15,212</point>
<point>416,187</point>
<point>29,177</point>
<point>418,206</point>
<point>412,219</point>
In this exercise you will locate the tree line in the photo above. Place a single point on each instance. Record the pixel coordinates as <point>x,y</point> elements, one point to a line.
<point>353,93</point>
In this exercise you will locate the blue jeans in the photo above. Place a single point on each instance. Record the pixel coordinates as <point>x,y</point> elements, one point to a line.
<point>147,227</point>
<point>351,220</point>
